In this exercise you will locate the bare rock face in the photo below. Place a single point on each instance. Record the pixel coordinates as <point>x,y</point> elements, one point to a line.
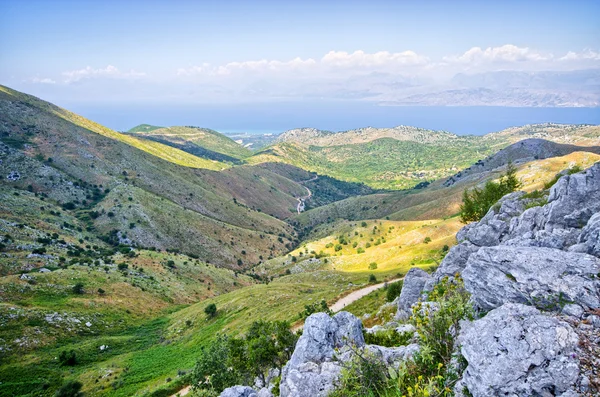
<point>517,351</point>
<point>412,287</point>
<point>315,366</point>
<point>453,263</point>
<point>238,391</point>
<point>393,356</point>
<point>589,240</point>
<point>545,278</point>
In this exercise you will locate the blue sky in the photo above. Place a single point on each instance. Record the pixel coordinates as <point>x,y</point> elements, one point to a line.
<point>242,51</point>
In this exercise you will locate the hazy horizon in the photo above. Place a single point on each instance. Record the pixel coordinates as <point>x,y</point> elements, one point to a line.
<point>435,53</point>
<point>277,117</point>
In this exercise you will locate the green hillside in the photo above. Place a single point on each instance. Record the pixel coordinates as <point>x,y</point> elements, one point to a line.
<point>143,128</point>
<point>201,142</point>
<point>384,163</point>
<point>111,180</point>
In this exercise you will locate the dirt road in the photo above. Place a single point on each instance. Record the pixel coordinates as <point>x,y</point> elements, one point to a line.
<point>300,206</point>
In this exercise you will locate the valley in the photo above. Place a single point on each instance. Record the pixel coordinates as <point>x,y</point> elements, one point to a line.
<point>112,245</point>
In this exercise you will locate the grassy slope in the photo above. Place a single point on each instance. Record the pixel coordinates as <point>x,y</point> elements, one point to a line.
<point>37,134</point>
<point>156,149</point>
<point>384,163</point>
<point>386,159</point>
<point>40,316</point>
<point>435,201</point>
<point>143,128</point>
<point>201,137</point>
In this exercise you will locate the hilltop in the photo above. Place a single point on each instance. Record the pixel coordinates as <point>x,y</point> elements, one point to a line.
<point>312,136</point>
<point>201,142</point>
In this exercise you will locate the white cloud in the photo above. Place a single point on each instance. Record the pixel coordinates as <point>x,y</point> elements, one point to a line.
<point>331,62</point>
<point>362,59</point>
<point>586,55</point>
<point>89,73</point>
<point>296,64</point>
<point>506,53</point>
<point>45,80</point>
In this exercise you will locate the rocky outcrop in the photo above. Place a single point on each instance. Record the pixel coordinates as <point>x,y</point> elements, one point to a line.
<point>589,239</point>
<point>315,365</point>
<point>517,351</point>
<point>546,278</point>
<point>536,270</point>
<point>238,391</point>
<point>412,287</point>
<point>393,356</point>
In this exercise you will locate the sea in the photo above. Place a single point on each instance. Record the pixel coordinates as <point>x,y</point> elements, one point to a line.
<point>276,117</point>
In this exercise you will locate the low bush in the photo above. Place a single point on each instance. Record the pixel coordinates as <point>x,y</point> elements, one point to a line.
<point>432,371</point>
<point>393,291</point>
<point>477,202</point>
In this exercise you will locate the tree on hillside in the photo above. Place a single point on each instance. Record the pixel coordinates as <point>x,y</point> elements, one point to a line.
<point>229,361</point>
<point>477,202</point>
<point>211,310</point>
<point>71,388</point>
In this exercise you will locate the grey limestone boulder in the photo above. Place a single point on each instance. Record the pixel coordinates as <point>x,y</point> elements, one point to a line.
<point>315,365</point>
<point>543,277</point>
<point>393,356</point>
<point>454,262</point>
<point>238,391</point>
<point>412,287</point>
<point>574,199</point>
<point>517,351</point>
<point>589,240</point>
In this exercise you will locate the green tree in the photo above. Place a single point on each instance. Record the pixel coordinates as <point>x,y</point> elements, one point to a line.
<point>212,370</point>
<point>393,291</point>
<point>210,310</point>
<point>78,289</point>
<point>68,358</point>
<point>269,345</point>
<point>71,388</point>
<point>477,202</point>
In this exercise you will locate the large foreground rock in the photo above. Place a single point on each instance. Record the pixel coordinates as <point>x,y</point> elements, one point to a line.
<point>238,391</point>
<point>412,287</point>
<point>315,365</point>
<point>589,240</point>
<point>517,351</point>
<point>542,277</point>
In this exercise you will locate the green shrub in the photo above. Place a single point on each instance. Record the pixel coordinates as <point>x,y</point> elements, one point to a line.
<point>212,370</point>
<point>477,202</point>
<point>364,376</point>
<point>393,291</point>
<point>372,266</point>
<point>315,308</point>
<point>210,310</point>
<point>71,388</point>
<point>372,279</point>
<point>388,338</point>
<point>78,289</point>
<point>68,358</point>
<point>230,361</point>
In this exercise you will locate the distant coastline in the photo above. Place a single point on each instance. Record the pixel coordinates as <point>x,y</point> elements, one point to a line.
<point>276,117</point>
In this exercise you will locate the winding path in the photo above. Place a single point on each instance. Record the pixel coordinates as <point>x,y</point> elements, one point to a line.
<point>352,297</point>
<point>300,206</point>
